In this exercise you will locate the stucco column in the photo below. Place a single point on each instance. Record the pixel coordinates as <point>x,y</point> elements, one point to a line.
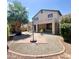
<point>36,28</point>
<point>53,27</point>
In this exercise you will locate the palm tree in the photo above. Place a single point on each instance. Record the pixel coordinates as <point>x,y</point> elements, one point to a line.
<point>16,12</point>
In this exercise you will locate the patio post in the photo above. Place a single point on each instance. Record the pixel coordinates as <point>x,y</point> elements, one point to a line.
<point>36,28</point>
<point>53,27</point>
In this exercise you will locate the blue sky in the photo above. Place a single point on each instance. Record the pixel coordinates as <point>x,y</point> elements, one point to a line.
<point>34,6</point>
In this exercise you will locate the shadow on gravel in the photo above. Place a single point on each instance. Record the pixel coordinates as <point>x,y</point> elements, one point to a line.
<point>67,41</point>
<point>21,37</point>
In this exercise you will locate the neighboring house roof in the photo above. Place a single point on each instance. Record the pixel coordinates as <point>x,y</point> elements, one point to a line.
<point>67,15</point>
<point>48,10</point>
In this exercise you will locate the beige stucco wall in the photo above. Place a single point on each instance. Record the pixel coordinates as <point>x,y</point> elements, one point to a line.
<point>43,19</point>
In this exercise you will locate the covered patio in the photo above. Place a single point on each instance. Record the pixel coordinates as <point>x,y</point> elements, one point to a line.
<point>52,28</point>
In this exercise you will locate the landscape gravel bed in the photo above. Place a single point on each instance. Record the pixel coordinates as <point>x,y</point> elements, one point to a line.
<point>53,46</point>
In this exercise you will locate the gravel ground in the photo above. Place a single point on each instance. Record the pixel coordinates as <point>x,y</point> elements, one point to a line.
<point>52,46</point>
<point>55,44</point>
<point>65,55</point>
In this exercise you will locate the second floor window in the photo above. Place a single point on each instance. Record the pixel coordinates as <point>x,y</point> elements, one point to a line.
<point>36,18</point>
<point>50,15</point>
<point>41,11</point>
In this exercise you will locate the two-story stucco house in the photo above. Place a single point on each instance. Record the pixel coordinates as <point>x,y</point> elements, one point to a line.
<point>48,20</point>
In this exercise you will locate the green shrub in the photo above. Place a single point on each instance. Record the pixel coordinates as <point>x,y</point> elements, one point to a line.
<point>8,32</point>
<point>66,27</point>
<point>66,31</point>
